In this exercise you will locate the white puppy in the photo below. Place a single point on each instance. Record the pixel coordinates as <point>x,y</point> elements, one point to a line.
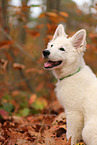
<point>77,84</point>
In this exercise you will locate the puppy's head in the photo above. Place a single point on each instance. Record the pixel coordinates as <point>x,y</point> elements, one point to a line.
<point>63,51</point>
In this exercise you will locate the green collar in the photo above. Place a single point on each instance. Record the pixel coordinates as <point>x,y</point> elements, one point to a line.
<point>70,74</point>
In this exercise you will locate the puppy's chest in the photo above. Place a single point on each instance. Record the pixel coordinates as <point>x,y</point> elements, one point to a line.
<point>70,95</point>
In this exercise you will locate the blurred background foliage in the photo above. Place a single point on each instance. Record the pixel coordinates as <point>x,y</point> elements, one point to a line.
<point>25,28</point>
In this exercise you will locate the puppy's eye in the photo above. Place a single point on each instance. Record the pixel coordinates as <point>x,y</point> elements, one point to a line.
<point>51,45</point>
<point>62,49</point>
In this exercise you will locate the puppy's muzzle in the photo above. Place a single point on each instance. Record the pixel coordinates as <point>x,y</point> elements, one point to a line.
<point>46,53</point>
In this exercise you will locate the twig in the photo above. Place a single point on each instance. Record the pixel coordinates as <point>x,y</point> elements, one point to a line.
<point>16,44</point>
<point>31,125</point>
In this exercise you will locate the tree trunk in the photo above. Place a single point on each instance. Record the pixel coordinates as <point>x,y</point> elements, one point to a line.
<point>25,15</point>
<point>19,74</point>
<point>53,5</point>
<point>4,15</point>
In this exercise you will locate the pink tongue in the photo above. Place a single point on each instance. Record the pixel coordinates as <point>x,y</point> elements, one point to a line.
<point>48,64</point>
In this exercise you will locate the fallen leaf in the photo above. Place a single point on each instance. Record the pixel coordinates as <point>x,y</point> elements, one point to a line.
<point>15,93</point>
<point>24,112</point>
<point>69,142</point>
<point>23,142</point>
<point>60,118</point>
<point>18,119</point>
<point>4,114</point>
<point>56,107</point>
<point>32,98</point>
<point>8,107</point>
<point>61,130</point>
<point>40,103</point>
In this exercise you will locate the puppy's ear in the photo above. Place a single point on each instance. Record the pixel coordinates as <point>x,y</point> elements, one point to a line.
<point>59,32</point>
<point>79,40</point>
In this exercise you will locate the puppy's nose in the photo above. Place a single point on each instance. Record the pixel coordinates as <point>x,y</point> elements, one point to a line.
<point>46,53</point>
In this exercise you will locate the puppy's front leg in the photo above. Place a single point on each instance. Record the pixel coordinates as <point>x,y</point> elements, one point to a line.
<point>74,126</point>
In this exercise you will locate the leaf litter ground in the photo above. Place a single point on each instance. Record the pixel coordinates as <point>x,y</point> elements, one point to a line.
<point>40,129</point>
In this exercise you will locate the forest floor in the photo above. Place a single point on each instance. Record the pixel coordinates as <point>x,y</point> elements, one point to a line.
<point>41,129</point>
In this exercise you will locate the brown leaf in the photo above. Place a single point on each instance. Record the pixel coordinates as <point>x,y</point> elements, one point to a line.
<point>18,119</point>
<point>40,86</point>
<point>56,107</point>
<point>8,56</point>
<point>60,118</point>
<point>69,142</point>
<point>64,14</point>
<point>33,33</point>
<point>1,137</point>
<point>32,98</point>
<point>23,142</point>
<point>51,14</point>
<point>51,28</point>
<point>6,43</point>
<point>18,66</point>
<point>34,70</point>
<point>25,8</point>
<point>61,131</point>
<point>42,15</point>
<point>55,136</point>
<point>15,93</point>
<point>93,35</point>
<point>54,19</point>
<point>49,37</point>
<point>25,26</point>
<point>40,26</point>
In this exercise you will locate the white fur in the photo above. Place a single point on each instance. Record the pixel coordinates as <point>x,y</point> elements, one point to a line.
<point>77,93</point>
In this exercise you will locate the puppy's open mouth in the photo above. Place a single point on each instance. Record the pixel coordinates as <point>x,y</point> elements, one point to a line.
<point>51,64</point>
